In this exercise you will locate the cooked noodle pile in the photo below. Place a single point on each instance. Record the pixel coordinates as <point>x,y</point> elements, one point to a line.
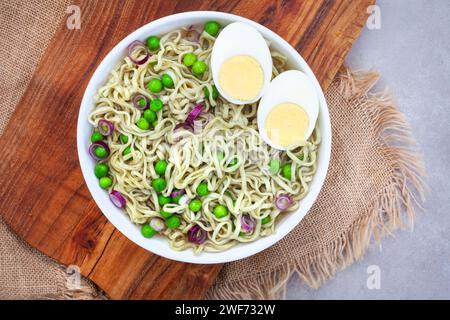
<point>225,150</point>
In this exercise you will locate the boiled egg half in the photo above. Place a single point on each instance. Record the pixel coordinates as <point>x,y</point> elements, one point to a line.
<point>288,111</point>
<point>241,64</point>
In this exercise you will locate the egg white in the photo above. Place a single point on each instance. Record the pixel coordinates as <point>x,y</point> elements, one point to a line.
<point>240,39</point>
<point>290,86</point>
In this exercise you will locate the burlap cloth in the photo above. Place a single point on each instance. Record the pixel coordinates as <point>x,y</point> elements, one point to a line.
<point>372,187</point>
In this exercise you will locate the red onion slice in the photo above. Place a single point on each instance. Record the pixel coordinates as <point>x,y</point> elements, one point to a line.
<point>117,198</point>
<point>283,202</point>
<point>176,193</point>
<point>202,121</point>
<point>194,114</point>
<point>179,128</point>
<point>105,127</point>
<point>183,200</point>
<point>137,99</point>
<point>185,126</point>
<point>138,46</point>
<point>94,146</point>
<point>157,224</point>
<point>188,124</point>
<point>197,235</point>
<point>247,223</point>
<point>193,33</point>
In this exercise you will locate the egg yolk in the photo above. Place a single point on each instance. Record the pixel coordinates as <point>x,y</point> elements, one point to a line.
<point>241,77</point>
<point>287,124</point>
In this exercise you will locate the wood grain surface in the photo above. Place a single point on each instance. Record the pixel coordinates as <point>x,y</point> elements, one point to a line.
<point>43,195</point>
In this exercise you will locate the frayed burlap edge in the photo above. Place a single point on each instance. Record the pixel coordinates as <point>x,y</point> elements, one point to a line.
<point>61,289</point>
<point>393,209</point>
<point>87,291</point>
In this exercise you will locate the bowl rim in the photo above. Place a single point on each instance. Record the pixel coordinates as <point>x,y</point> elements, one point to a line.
<point>154,245</point>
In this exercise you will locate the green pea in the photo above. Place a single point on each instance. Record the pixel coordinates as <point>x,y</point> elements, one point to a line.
<point>274,166</point>
<point>165,214</point>
<point>156,105</point>
<point>105,182</point>
<point>155,85</point>
<point>142,102</point>
<point>100,152</point>
<point>286,170</point>
<point>177,198</point>
<point>155,123</point>
<point>153,43</point>
<point>220,156</point>
<point>173,222</point>
<point>162,199</point>
<point>202,189</point>
<point>189,59</point>
<point>101,170</point>
<point>199,68</point>
<point>96,137</point>
<point>159,184</point>
<point>220,211</point>
<point>147,231</point>
<point>160,167</point>
<point>195,205</point>
<point>126,151</point>
<point>143,124</point>
<point>212,27</point>
<point>150,115</point>
<point>167,80</point>
<point>215,92</point>
<point>266,220</point>
<point>123,138</point>
<point>233,162</point>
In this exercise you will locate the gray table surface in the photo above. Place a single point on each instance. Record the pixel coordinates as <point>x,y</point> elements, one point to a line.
<point>412,52</point>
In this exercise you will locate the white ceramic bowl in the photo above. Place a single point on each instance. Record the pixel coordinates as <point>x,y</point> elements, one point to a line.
<point>119,218</point>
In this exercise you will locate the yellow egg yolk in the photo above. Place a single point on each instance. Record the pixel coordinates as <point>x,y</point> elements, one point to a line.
<point>287,124</point>
<point>241,77</point>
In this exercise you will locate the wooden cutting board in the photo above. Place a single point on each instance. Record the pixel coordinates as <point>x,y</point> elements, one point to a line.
<point>43,195</point>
